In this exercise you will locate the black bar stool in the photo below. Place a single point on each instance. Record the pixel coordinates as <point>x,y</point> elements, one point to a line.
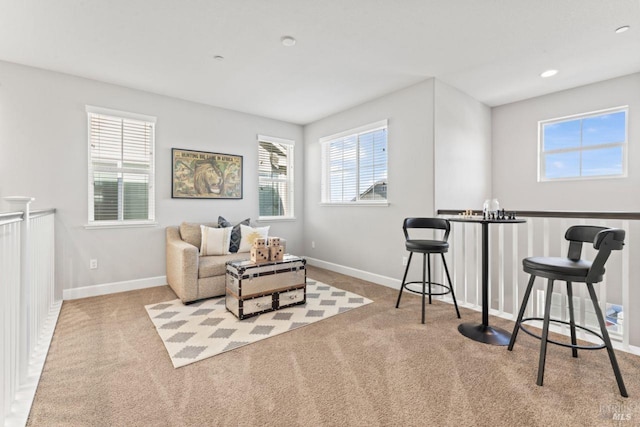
<point>573,269</point>
<point>426,248</point>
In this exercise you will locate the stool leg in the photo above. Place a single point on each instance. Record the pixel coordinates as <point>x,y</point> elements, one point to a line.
<point>607,341</point>
<point>523,307</point>
<point>572,320</point>
<point>429,264</point>
<point>404,279</point>
<point>453,295</point>
<point>424,272</point>
<point>545,332</point>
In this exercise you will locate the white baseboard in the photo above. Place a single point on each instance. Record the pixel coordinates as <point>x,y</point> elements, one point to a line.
<point>354,272</point>
<point>112,288</point>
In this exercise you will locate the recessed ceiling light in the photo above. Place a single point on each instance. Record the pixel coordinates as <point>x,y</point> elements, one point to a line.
<point>622,29</point>
<point>549,73</point>
<point>288,41</point>
<point>218,58</point>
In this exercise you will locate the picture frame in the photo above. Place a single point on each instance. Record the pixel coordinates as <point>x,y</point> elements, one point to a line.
<point>205,175</point>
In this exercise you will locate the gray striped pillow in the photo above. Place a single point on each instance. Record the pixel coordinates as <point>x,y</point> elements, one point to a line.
<point>235,233</point>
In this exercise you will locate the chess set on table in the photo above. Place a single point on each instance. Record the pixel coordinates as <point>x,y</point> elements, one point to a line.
<point>499,215</point>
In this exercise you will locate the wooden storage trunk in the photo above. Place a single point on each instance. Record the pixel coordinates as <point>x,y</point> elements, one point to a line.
<point>253,289</point>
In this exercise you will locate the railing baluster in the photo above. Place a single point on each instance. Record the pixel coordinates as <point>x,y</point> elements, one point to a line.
<point>464,257</point>
<point>602,297</point>
<point>501,268</point>
<point>530,234</point>
<point>478,260</point>
<point>626,296</point>
<point>514,271</point>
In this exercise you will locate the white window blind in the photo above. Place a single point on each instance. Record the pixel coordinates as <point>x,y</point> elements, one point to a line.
<point>275,176</point>
<point>355,165</point>
<point>121,168</point>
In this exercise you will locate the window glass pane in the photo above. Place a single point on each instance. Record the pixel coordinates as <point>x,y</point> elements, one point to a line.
<point>135,196</point>
<point>562,165</point>
<point>602,162</point>
<point>271,203</point>
<point>604,129</point>
<point>105,196</point>
<point>343,186</point>
<point>571,149</point>
<point>561,135</point>
<point>275,179</point>
<point>373,165</point>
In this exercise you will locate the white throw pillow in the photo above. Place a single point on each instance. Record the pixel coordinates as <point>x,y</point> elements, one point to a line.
<point>215,241</point>
<point>249,234</point>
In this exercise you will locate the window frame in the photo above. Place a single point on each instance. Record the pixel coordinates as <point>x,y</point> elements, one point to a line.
<point>325,184</point>
<point>289,180</point>
<point>120,223</point>
<point>581,149</point>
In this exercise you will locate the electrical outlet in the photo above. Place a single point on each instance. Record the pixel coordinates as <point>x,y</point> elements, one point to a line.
<point>405,260</point>
<point>313,244</point>
<point>93,264</point>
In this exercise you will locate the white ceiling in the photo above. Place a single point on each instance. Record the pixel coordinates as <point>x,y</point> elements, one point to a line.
<point>348,51</point>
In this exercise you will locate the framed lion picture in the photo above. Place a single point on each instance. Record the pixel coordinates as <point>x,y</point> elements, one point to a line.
<point>203,175</point>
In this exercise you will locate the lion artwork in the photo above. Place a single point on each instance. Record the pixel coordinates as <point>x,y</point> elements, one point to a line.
<point>207,178</point>
<point>206,175</point>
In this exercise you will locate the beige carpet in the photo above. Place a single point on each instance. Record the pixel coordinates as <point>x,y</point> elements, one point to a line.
<point>372,366</point>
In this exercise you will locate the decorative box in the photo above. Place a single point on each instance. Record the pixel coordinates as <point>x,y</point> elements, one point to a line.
<point>253,289</point>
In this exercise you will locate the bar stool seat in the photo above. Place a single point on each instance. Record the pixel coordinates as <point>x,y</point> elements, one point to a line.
<point>558,268</point>
<point>427,247</point>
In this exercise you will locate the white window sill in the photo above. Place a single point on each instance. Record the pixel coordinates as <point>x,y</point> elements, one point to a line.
<point>276,218</point>
<point>584,178</point>
<point>116,224</point>
<point>378,204</point>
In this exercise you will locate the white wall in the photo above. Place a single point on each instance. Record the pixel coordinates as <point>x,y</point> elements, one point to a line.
<point>43,153</point>
<point>515,145</point>
<point>363,237</point>
<point>462,149</point>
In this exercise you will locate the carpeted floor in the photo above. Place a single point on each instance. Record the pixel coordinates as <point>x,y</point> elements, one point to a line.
<point>376,365</point>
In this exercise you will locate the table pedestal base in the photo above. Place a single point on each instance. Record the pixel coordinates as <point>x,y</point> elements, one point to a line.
<point>485,333</point>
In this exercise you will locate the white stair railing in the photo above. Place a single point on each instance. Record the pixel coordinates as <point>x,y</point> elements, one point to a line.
<point>28,306</point>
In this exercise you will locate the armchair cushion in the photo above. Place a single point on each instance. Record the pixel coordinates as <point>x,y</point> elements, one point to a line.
<point>190,232</point>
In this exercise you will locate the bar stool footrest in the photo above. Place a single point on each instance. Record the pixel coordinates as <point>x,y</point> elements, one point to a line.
<point>562,344</point>
<point>419,292</point>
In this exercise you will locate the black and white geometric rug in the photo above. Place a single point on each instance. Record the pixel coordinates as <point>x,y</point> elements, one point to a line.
<point>197,331</point>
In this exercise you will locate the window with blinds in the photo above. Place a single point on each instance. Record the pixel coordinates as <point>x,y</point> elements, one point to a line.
<point>354,166</point>
<point>121,168</point>
<point>275,177</point>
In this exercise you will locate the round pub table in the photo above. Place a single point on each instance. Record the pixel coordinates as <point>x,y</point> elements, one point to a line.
<point>482,332</point>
